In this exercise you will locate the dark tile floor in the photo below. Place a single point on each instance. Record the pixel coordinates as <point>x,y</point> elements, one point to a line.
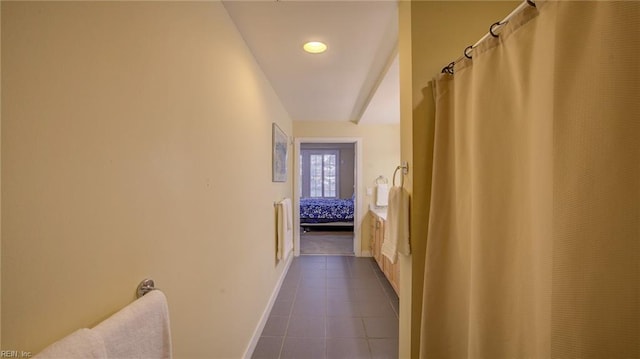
<point>329,243</point>
<point>332,307</point>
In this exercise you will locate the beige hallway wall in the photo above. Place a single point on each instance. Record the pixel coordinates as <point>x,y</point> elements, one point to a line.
<point>0,183</point>
<point>136,142</point>
<point>380,154</point>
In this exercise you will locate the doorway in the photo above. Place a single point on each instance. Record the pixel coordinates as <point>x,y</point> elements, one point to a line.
<point>327,198</point>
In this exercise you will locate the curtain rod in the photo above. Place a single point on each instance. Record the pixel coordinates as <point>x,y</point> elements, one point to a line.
<point>449,68</point>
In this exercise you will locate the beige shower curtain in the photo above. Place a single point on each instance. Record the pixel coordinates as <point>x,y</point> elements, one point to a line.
<point>534,228</point>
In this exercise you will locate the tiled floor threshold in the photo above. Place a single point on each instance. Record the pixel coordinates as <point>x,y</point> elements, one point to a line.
<point>332,307</point>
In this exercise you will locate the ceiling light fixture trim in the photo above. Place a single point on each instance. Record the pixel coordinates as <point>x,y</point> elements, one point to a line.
<point>315,47</point>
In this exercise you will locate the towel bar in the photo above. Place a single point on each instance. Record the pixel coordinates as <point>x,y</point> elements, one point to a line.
<point>146,286</point>
<point>405,170</point>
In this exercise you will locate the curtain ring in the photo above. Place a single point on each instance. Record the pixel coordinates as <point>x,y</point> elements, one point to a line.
<point>491,28</point>
<point>531,3</point>
<point>466,52</point>
<point>449,68</point>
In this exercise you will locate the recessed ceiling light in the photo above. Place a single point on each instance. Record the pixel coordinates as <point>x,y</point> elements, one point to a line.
<point>315,47</point>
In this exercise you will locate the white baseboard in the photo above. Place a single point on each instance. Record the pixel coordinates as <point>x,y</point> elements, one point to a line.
<point>366,254</point>
<point>265,315</point>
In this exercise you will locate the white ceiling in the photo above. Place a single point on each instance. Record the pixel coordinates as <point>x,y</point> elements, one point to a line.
<point>347,82</point>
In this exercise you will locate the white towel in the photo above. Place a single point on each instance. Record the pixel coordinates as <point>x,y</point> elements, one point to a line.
<point>281,229</point>
<point>81,344</point>
<point>382,195</point>
<point>396,231</point>
<point>288,211</point>
<point>288,239</point>
<point>284,240</point>
<point>140,330</point>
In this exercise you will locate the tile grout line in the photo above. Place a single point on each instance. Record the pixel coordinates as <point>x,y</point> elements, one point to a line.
<point>366,333</point>
<point>386,294</point>
<point>286,330</point>
<point>326,305</point>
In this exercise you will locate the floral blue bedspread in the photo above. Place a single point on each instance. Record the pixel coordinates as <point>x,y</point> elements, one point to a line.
<point>326,210</point>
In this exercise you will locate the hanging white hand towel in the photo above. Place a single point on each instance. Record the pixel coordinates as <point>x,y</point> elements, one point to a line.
<point>288,207</point>
<point>396,232</point>
<point>140,330</point>
<point>281,229</point>
<point>382,195</point>
<point>81,344</point>
<point>284,232</point>
<point>288,236</point>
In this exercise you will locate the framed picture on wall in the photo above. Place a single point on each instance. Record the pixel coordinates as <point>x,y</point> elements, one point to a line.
<point>279,170</point>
